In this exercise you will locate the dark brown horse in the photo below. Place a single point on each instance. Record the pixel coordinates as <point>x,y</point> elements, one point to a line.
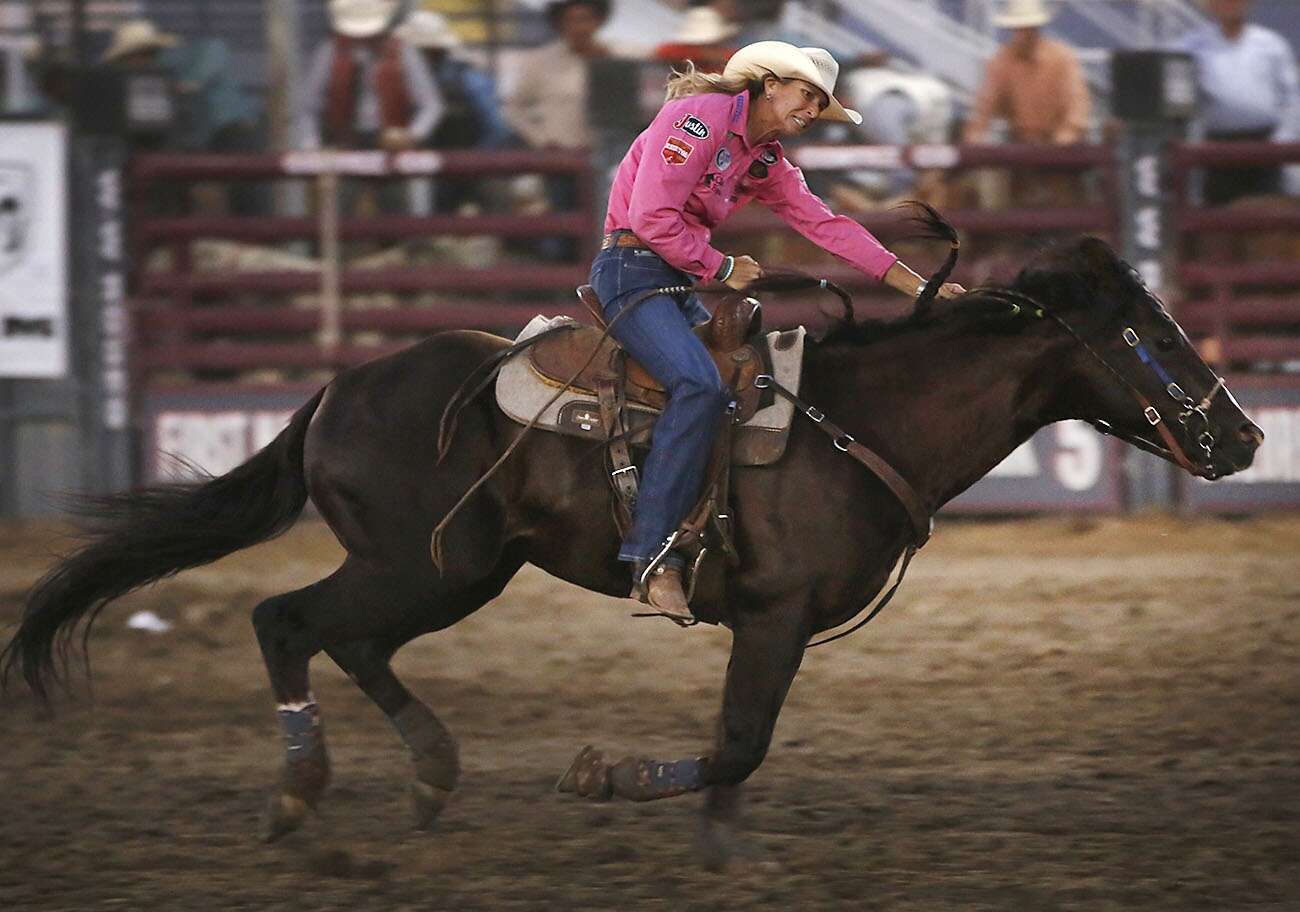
<point>943,396</point>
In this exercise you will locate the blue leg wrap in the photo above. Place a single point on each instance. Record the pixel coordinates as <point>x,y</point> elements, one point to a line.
<point>301,728</point>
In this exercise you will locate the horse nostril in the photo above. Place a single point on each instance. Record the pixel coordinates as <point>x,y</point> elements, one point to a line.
<point>1250,433</point>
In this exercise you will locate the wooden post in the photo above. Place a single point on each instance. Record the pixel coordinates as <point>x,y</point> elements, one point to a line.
<point>281,23</point>
<point>331,304</point>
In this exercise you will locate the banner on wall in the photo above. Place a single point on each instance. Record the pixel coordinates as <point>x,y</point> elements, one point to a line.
<point>199,430</point>
<point>33,250</point>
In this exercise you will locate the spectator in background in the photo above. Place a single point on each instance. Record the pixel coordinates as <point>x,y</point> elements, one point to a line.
<point>472,118</point>
<point>1036,85</point>
<point>1250,92</point>
<point>706,37</point>
<point>214,113</point>
<point>365,87</point>
<point>1034,82</point>
<point>547,105</point>
<point>899,107</point>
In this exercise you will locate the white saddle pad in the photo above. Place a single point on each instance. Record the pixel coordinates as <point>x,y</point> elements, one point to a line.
<point>522,392</point>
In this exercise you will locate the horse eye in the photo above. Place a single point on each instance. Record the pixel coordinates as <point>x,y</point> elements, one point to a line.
<point>1166,343</point>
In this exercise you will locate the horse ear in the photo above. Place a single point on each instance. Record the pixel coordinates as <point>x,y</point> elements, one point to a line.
<point>1097,254</point>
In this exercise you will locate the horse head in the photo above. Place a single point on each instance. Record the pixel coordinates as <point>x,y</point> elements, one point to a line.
<point>1134,372</point>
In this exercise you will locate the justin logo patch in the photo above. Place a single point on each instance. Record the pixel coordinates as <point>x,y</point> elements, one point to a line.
<point>676,151</point>
<point>691,124</point>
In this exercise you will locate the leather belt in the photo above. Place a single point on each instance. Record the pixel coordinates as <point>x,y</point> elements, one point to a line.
<point>622,239</point>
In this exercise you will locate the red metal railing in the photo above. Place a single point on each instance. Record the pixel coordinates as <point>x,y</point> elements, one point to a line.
<point>1240,289</point>
<point>188,319</point>
<point>220,324</point>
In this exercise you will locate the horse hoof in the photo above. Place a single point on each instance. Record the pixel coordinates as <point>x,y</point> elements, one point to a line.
<point>284,814</point>
<point>587,775</point>
<point>719,846</point>
<point>428,802</point>
<point>713,852</point>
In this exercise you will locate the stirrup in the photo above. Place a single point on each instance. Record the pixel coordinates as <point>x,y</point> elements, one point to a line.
<point>642,588</point>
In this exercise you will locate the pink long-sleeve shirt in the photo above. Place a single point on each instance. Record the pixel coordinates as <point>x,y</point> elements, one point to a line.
<point>693,166</point>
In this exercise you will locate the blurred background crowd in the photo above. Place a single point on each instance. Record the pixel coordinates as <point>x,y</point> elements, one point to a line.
<point>501,74</point>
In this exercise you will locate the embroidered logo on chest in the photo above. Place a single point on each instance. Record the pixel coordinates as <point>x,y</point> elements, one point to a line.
<point>723,160</point>
<point>676,151</point>
<point>691,124</point>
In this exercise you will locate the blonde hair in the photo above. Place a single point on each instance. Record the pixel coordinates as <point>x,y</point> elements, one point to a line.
<point>689,81</point>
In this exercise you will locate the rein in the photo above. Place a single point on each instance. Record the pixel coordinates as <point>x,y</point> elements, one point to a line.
<point>921,517</point>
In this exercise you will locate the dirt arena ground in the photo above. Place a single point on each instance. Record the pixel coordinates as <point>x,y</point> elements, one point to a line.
<point>1054,714</point>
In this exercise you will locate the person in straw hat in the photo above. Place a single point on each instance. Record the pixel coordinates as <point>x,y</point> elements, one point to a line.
<point>1034,82</point>
<point>217,114</point>
<point>715,145</point>
<point>473,117</point>
<point>706,37</point>
<point>136,43</point>
<point>365,87</point>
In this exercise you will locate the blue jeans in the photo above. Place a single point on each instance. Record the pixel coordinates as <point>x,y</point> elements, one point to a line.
<point>657,333</point>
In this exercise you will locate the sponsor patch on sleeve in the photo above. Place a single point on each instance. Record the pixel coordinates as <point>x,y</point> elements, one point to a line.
<point>676,151</point>
<point>689,123</point>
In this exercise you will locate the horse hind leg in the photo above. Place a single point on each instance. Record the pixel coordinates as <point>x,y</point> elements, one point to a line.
<point>433,748</point>
<point>396,608</point>
<point>288,640</point>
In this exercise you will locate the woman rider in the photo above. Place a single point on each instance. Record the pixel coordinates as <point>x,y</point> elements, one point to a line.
<point>714,146</point>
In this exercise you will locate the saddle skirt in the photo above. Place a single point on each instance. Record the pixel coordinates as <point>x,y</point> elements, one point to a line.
<point>531,378</point>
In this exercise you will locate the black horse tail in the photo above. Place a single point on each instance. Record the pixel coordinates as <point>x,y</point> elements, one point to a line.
<point>933,226</point>
<point>137,537</point>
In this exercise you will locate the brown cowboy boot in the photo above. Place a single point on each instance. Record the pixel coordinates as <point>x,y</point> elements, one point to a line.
<point>662,590</point>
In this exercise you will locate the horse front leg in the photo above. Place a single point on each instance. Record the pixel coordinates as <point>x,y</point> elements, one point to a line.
<point>766,651</point>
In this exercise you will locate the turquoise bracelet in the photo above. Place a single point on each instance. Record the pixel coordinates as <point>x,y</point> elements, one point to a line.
<point>729,265</point>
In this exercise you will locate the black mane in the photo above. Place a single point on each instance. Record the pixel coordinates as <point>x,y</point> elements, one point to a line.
<point>1056,275</point>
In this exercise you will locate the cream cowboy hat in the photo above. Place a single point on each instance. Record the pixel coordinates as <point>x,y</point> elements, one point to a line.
<point>362,18</point>
<point>426,29</point>
<point>812,65</point>
<point>702,25</point>
<point>1022,14</point>
<point>137,35</point>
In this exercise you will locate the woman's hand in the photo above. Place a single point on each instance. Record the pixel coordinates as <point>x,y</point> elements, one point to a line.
<point>949,290</point>
<point>743,273</point>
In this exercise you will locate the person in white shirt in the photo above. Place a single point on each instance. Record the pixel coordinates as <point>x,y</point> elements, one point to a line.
<point>1250,92</point>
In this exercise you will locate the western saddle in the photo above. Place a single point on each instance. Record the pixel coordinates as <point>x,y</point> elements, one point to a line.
<point>586,358</point>
<point>729,336</point>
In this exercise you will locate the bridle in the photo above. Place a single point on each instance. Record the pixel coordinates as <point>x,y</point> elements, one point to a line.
<point>1191,412</point>
<point>1193,416</point>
